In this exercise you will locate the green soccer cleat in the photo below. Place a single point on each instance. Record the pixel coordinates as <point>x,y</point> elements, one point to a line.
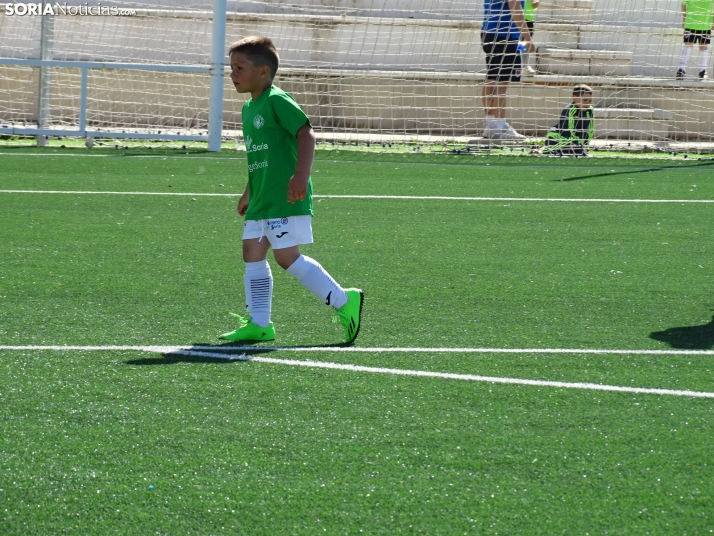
<point>248,331</point>
<point>350,313</point>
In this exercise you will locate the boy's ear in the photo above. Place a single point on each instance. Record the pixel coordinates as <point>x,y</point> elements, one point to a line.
<point>264,71</point>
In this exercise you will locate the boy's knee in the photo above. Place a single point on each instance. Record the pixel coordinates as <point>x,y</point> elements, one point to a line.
<point>286,257</point>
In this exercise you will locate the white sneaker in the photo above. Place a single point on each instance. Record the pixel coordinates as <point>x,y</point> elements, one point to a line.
<point>509,134</point>
<point>530,70</point>
<point>492,133</point>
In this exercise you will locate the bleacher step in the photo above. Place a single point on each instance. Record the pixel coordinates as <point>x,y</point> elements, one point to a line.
<point>578,62</point>
<point>633,123</point>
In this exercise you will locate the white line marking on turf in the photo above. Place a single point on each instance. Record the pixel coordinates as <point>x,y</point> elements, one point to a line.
<point>449,376</point>
<point>217,354</point>
<point>396,197</point>
<point>155,156</point>
<point>357,349</point>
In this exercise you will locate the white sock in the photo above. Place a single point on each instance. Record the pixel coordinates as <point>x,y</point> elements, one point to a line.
<point>258,281</point>
<point>491,122</point>
<point>684,57</point>
<point>703,59</point>
<point>314,278</point>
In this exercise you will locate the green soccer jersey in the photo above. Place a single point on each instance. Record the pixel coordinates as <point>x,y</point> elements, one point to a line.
<point>270,124</point>
<point>529,10</point>
<point>699,14</point>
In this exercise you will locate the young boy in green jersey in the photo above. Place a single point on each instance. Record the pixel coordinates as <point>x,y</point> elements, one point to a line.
<point>277,202</point>
<point>575,129</point>
<point>697,19</point>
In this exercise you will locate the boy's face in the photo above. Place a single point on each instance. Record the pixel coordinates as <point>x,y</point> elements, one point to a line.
<point>246,77</point>
<point>584,101</point>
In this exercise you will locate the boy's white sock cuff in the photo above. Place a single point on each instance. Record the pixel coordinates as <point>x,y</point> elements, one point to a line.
<point>703,59</point>
<point>256,266</point>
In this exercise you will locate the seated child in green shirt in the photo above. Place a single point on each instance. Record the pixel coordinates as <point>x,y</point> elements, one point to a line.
<point>575,129</point>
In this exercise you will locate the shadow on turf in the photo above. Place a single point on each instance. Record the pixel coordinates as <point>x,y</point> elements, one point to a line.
<point>223,349</point>
<point>688,337</point>
<point>630,172</point>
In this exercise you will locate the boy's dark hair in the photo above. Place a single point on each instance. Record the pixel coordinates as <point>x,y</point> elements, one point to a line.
<point>582,89</point>
<point>259,50</point>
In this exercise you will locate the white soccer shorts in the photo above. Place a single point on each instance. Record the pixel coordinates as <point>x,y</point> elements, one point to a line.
<point>280,232</point>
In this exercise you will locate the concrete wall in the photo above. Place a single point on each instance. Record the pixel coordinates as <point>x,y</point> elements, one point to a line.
<point>362,71</point>
<point>361,101</point>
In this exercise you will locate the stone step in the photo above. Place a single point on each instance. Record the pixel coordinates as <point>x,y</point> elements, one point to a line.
<point>652,114</point>
<point>633,123</point>
<point>572,11</point>
<point>583,62</point>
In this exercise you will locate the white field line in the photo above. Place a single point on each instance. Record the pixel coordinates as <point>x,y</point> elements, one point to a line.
<point>446,375</point>
<point>397,197</point>
<point>354,349</point>
<point>216,354</point>
<point>155,156</point>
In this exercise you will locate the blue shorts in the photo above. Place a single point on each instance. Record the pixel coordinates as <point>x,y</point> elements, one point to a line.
<point>502,58</point>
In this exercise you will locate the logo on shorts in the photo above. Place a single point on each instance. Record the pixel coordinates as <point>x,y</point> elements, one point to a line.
<point>258,121</point>
<point>277,224</point>
<point>281,234</point>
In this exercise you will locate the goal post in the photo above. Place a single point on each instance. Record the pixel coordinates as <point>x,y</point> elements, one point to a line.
<point>387,71</point>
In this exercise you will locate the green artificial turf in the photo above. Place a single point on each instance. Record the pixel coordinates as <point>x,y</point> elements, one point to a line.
<point>100,442</point>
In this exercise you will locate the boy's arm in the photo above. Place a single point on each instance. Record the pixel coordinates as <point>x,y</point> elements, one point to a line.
<point>684,14</point>
<point>297,187</point>
<point>244,200</point>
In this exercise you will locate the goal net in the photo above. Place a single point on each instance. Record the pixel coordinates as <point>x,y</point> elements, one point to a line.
<point>377,71</point>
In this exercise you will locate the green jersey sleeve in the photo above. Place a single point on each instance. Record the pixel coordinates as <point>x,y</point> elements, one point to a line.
<point>287,112</point>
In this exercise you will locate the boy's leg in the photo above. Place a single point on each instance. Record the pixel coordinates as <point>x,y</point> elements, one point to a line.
<point>258,283</point>
<point>311,275</point>
<point>685,54</point>
<point>258,280</point>
<point>703,60</point>
<point>347,302</point>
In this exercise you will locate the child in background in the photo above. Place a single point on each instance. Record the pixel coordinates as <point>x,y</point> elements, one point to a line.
<point>575,129</point>
<point>529,12</point>
<point>697,19</point>
<point>277,202</point>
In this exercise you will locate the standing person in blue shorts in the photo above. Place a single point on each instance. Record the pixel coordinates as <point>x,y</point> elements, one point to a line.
<point>504,26</point>
<point>277,202</point>
<point>697,19</point>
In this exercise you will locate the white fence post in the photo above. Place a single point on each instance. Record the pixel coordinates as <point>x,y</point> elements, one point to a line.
<point>218,54</point>
<point>45,88</point>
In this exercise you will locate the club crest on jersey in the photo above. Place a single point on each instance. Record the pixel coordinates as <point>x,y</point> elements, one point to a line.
<point>258,121</point>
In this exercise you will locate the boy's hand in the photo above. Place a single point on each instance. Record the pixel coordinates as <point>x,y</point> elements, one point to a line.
<point>535,4</point>
<point>297,188</point>
<point>243,204</point>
